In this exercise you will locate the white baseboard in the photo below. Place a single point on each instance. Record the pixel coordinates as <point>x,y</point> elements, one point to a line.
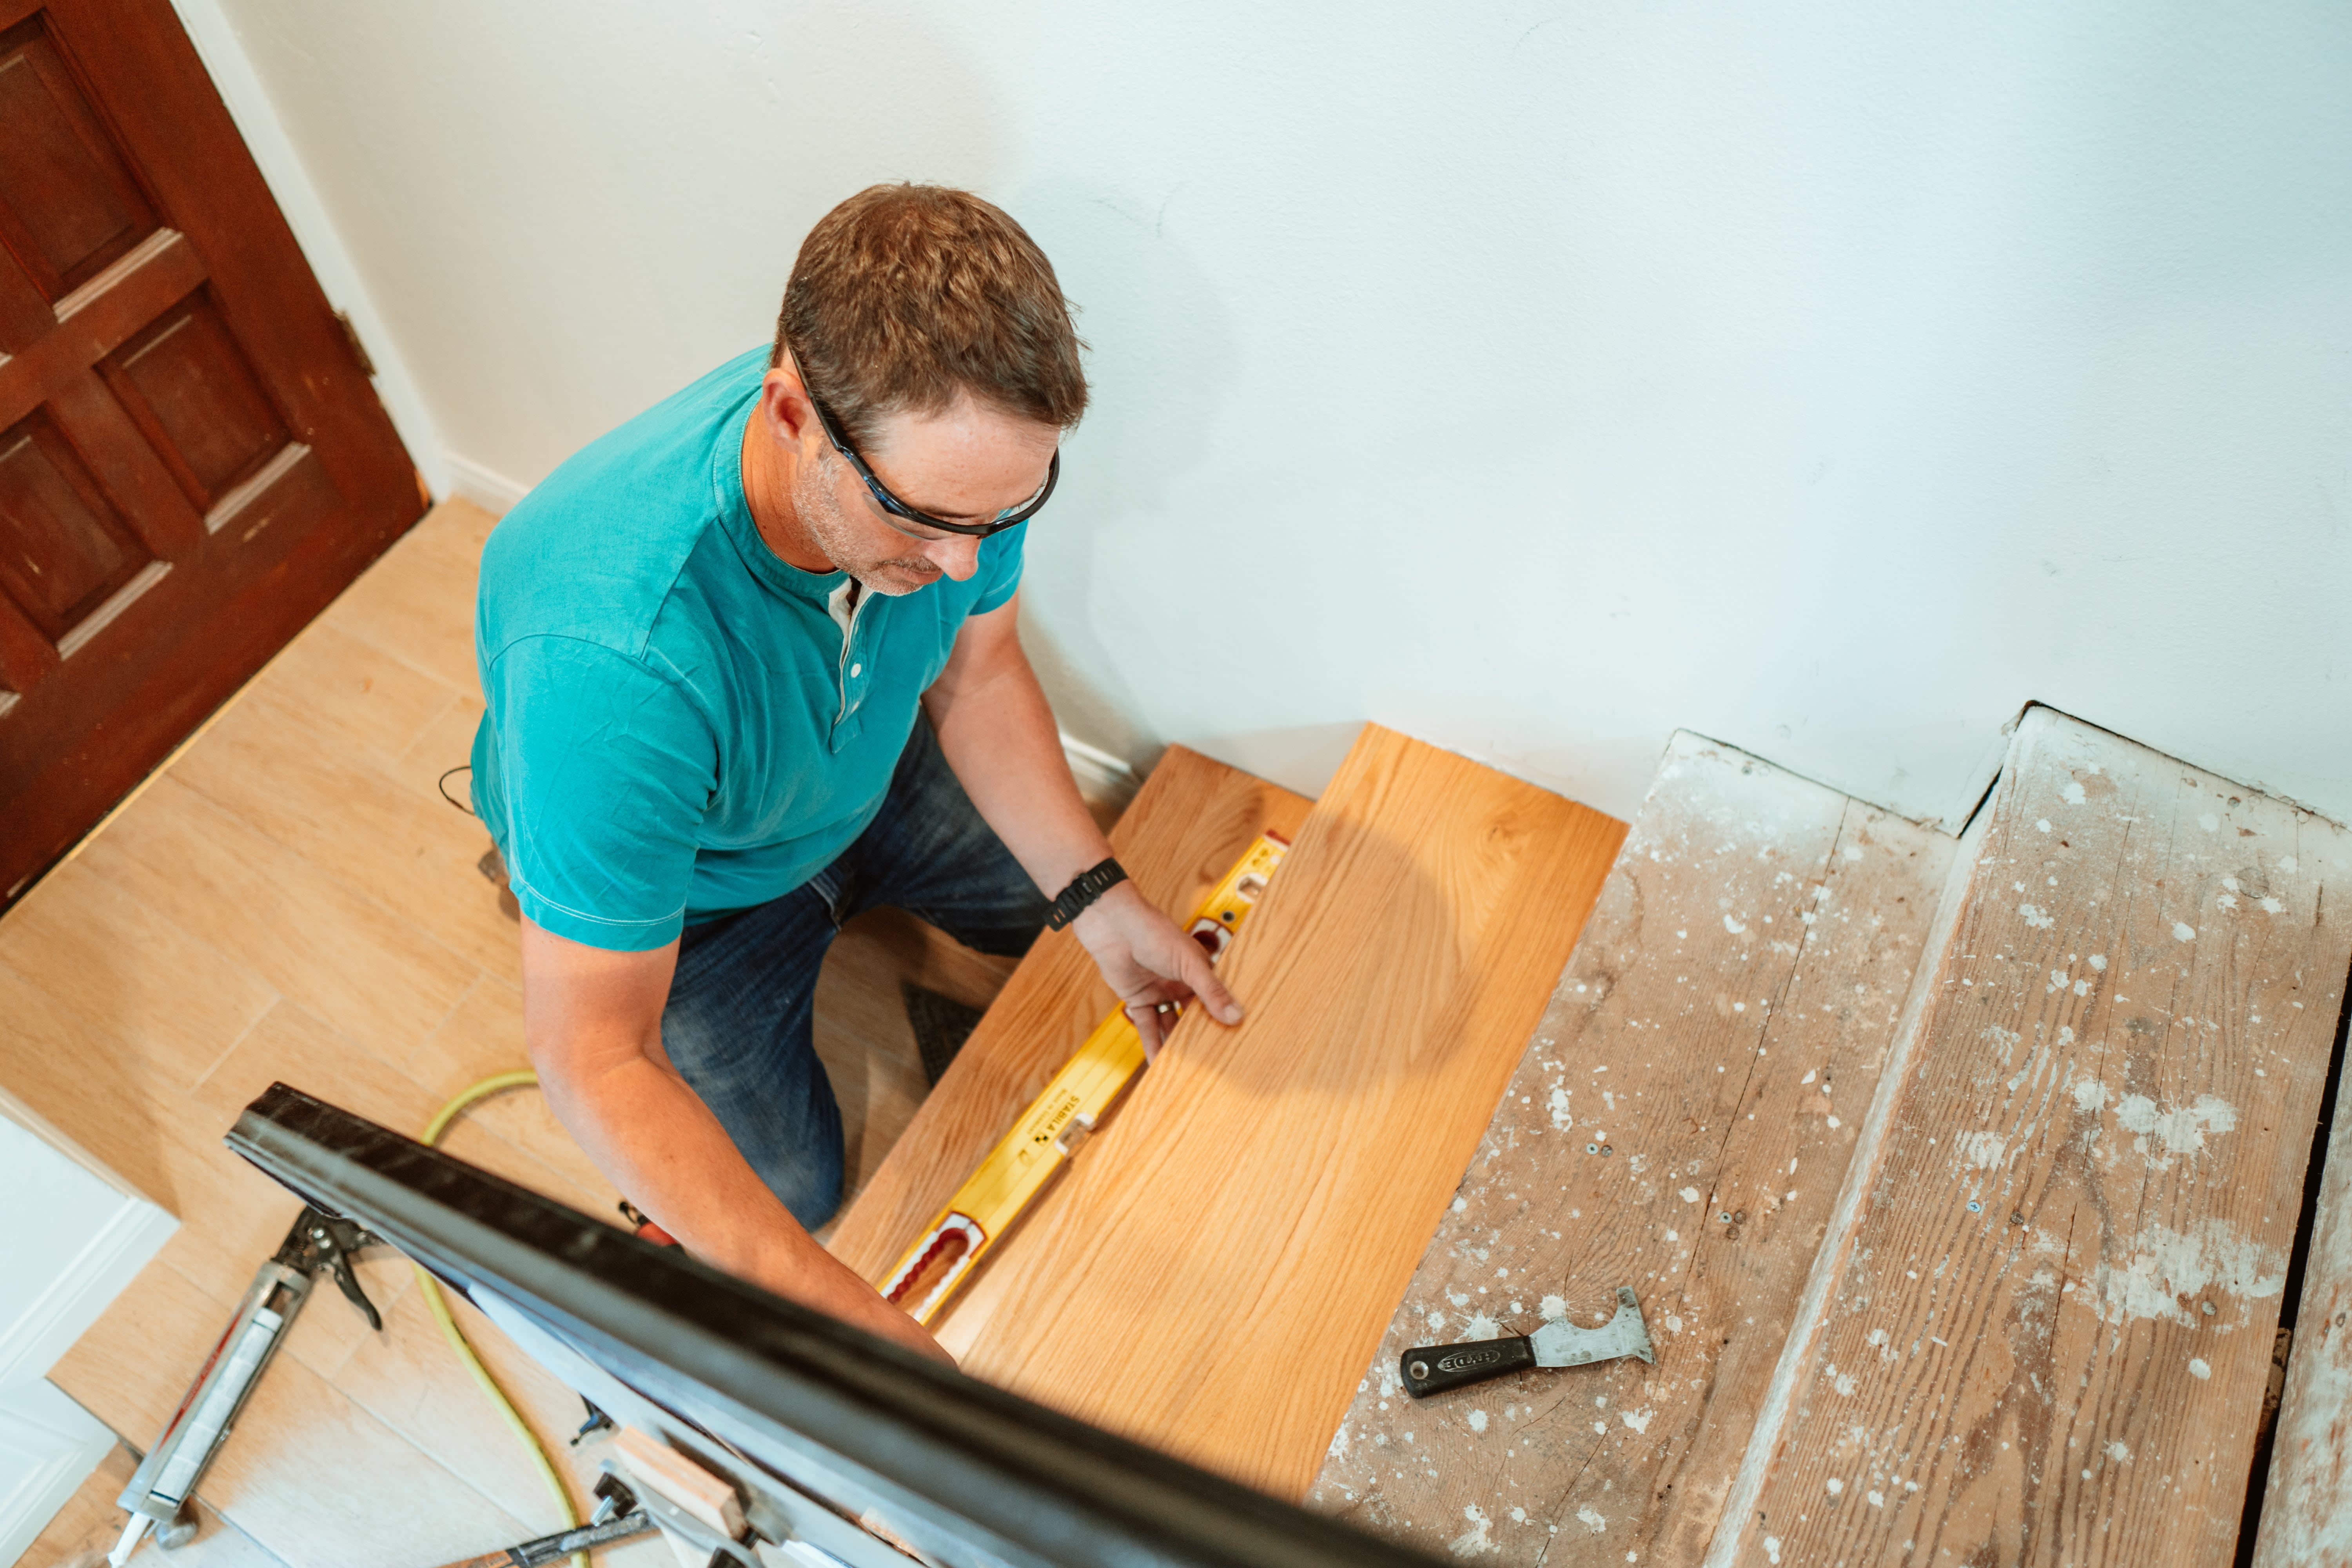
<point>1102,779</point>
<point>80,1293</point>
<point>485,488</point>
<point>48,1447</point>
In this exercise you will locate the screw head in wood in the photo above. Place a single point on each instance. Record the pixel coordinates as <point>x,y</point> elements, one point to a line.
<point>1607,1150</point>
<point>1593,1148</point>
<point>2015,1217</point>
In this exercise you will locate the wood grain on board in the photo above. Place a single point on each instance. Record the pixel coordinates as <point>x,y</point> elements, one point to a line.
<point>2307,1506</point>
<point>1192,820</point>
<point>1719,1031</point>
<point>2046,1337</point>
<point>1211,1273</point>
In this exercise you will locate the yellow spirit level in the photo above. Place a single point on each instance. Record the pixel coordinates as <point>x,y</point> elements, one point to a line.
<point>1059,1120</point>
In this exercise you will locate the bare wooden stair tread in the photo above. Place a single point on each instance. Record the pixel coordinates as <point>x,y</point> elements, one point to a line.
<point>2046,1319</point>
<point>1719,1031</point>
<point>2025,1314</point>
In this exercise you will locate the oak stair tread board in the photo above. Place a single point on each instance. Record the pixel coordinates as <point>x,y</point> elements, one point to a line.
<point>2119,1060</point>
<point>1210,1274</point>
<point>1749,952</point>
<point>1192,819</point>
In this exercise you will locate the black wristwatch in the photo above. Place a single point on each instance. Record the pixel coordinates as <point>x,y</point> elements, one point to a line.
<point>1084,890</point>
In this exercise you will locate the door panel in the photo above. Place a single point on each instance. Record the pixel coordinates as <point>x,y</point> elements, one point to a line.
<point>73,207</point>
<point>188,388</point>
<point>190,462</point>
<point>62,547</point>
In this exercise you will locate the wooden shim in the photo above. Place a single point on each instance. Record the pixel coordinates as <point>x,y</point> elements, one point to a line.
<point>1192,820</point>
<point>1213,1273</point>
<point>662,1468</point>
<point>2119,1057</point>
<point>2307,1508</point>
<point>1725,1016</point>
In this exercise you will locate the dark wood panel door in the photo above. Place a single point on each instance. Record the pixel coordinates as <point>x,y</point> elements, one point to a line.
<point>192,460</point>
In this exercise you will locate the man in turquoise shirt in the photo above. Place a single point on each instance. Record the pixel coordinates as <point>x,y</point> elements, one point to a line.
<point>751,665</point>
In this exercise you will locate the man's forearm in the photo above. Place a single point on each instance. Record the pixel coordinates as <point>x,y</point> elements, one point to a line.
<point>998,734</point>
<point>654,1139</point>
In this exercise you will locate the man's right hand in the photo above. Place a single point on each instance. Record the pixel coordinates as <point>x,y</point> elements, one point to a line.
<point>592,1019</point>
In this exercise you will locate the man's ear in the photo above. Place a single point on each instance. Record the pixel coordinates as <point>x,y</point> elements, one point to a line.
<point>784,404</point>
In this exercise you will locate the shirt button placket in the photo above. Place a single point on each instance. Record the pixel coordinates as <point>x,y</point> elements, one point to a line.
<point>846,727</point>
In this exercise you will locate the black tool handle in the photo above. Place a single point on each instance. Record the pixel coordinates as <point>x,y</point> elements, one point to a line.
<point>1434,1369</point>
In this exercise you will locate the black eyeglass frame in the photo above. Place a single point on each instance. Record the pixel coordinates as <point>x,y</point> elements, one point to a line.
<point>897,508</point>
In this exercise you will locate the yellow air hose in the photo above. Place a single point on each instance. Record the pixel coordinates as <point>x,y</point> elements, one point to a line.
<point>439,1306</point>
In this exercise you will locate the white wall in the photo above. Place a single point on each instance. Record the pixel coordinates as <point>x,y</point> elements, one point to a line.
<point>1535,378</point>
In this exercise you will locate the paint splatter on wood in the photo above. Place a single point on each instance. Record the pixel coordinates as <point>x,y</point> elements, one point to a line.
<point>1679,1122</point>
<point>2047,1334</point>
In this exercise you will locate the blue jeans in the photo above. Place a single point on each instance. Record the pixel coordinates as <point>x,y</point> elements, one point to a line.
<point>738,1022</point>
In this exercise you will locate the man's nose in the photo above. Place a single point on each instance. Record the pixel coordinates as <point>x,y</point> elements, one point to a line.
<point>958,557</point>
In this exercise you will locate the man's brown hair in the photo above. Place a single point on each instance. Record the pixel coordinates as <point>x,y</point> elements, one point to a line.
<point>904,296</point>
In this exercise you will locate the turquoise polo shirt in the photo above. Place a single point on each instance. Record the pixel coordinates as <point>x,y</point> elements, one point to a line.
<point>678,723</point>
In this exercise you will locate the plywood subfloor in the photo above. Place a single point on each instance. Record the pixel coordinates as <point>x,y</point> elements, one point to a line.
<point>1212,1272</point>
<point>292,899</point>
<point>1718,1033</point>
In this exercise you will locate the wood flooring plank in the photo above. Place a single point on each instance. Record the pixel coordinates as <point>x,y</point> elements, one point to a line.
<point>399,843</point>
<point>358,701</point>
<point>2047,1333</point>
<point>177,1000</point>
<point>1212,1276</point>
<point>446,743</point>
<point>97,1090</point>
<point>1192,820</point>
<point>307,1474</point>
<point>482,1038</point>
<point>1719,1030</point>
<point>131,1367</point>
<point>313,1478</point>
<point>230,1228</point>
<point>90,1524</point>
<point>310,936</point>
<point>412,1381</point>
<point>402,604</point>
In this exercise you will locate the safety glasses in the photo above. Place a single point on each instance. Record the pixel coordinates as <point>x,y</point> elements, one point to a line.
<point>1009,516</point>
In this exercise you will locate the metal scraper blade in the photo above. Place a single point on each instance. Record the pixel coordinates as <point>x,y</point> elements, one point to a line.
<point>1561,1343</point>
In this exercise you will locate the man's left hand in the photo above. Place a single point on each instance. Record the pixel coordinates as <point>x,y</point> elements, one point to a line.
<point>1150,963</point>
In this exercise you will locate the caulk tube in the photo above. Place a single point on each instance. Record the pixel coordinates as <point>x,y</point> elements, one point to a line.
<point>165,1479</point>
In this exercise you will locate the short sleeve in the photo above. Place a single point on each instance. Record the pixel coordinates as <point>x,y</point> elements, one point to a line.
<point>1000,559</point>
<point>603,773</point>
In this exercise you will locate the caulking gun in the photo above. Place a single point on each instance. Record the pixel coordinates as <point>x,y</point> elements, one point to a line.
<point>158,1494</point>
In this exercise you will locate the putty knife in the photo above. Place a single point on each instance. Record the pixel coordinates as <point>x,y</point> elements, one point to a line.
<point>1432,1369</point>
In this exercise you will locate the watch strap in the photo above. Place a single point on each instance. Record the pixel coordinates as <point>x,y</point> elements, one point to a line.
<point>1084,890</point>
